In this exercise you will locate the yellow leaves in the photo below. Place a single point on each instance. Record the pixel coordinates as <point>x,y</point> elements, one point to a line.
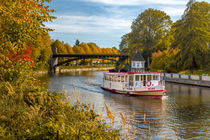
<point>144,117</point>
<point>2,117</point>
<point>110,115</point>
<point>22,18</point>
<point>134,133</point>
<point>10,88</point>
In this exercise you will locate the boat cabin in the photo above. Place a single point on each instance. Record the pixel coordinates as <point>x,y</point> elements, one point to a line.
<point>137,63</point>
<point>132,80</point>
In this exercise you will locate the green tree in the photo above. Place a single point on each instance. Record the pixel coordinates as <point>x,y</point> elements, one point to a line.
<point>77,43</point>
<point>147,30</point>
<point>192,36</point>
<point>124,42</point>
<point>164,61</point>
<point>189,5</point>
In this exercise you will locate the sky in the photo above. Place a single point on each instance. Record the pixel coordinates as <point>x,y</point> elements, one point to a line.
<point>103,22</point>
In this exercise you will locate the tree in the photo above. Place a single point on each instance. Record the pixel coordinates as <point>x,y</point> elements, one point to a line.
<point>78,50</point>
<point>147,30</point>
<point>164,61</point>
<point>95,49</point>
<point>69,48</point>
<point>86,48</point>
<point>42,50</point>
<point>124,42</point>
<point>189,4</point>
<point>60,48</point>
<point>21,21</point>
<point>192,36</point>
<point>77,43</point>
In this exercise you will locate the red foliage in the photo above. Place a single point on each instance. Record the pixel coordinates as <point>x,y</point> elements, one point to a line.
<point>24,56</point>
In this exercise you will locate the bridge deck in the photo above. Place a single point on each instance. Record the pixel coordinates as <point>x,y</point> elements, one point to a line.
<point>90,55</point>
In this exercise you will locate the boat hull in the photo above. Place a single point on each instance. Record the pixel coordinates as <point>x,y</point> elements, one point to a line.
<point>153,93</point>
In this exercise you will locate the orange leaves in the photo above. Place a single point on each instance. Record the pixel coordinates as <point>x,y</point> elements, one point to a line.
<point>24,56</point>
<point>156,54</point>
<point>163,60</point>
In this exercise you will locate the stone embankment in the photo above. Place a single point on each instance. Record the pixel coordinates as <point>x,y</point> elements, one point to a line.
<point>75,70</point>
<point>187,79</point>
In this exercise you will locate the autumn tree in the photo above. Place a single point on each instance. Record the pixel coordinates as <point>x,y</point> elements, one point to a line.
<point>86,48</point>
<point>69,48</point>
<point>164,61</point>
<point>42,51</point>
<point>21,21</point>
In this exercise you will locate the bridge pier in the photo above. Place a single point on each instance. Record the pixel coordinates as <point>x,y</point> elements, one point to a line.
<point>54,61</point>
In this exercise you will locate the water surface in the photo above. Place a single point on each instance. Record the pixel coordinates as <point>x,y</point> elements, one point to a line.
<point>183,114</point>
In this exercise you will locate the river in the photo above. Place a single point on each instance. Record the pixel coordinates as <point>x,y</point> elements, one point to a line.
<point>183,114</point>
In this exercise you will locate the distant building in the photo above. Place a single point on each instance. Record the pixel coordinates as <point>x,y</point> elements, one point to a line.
<point>137,63</point>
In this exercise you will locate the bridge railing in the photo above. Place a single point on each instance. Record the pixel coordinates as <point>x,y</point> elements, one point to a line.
<point>187,77</point>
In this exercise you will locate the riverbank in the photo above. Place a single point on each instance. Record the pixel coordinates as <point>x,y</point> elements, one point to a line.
<point>75,70</point>
<point>196,80</point>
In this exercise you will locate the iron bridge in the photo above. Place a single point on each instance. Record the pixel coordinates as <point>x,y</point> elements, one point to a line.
<point>74,57</point>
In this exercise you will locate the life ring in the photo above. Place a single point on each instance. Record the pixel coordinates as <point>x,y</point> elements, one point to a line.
<point>149,83</point>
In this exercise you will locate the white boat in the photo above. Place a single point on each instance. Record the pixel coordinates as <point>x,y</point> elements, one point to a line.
<point>136,82</point>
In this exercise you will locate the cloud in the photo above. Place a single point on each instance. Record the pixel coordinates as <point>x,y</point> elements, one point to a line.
<point>173,12</point>
<point>139,2</point>
<point>89,24</point>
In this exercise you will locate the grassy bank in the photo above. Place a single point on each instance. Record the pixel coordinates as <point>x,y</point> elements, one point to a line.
<point>29,111</point>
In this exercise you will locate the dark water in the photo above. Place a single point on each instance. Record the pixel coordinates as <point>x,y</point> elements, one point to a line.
<point>183,114</point>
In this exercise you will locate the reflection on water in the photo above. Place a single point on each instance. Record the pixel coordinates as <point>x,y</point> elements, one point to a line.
<point>183,114</point>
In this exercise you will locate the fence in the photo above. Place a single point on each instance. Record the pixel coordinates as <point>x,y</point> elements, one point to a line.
<point>187,79</point>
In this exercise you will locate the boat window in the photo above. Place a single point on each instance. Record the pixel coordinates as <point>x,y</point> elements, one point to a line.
<point>149,77</point>
<point>111,78</point>
<point>126,78</point>
<point>137,64</point>
<point>122,78</point>
<point>133,64</point>
<point>119,78</point>
<point>155,77</point>
<point>116,78</point>
<point>137,77</point>
<point>141,77</point>
<point>144,80</point>
<point>130,80</point>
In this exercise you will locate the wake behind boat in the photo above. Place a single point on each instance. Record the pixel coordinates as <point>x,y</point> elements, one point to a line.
<point>136,82</point>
